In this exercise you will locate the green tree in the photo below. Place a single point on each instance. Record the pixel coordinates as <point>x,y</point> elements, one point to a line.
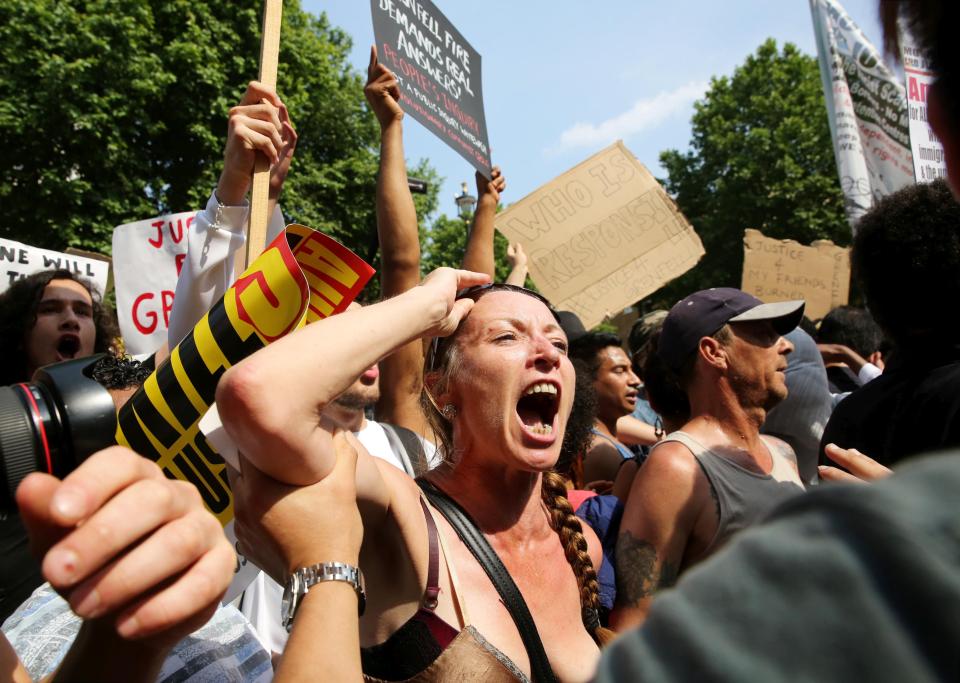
<point>445,240</point>
<point>761,157</point>
<point>115,110</point>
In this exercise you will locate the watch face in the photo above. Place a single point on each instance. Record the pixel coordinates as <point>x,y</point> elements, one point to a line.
<point>290,594</point>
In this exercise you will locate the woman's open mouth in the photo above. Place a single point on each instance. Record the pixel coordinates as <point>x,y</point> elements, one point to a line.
<point>537,408</point>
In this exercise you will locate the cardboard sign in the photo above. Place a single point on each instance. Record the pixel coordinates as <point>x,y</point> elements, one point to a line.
<point>601,236</point>
<point>148,256</point>
<point>439,74</point>
<point>784,270</point>
<point>19,260</point>
<point>301,277</point>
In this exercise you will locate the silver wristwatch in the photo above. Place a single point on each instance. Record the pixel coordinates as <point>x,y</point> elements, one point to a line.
<point>301,580</point>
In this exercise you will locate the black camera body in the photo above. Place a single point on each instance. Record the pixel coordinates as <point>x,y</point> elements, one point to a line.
<point>53,423</point>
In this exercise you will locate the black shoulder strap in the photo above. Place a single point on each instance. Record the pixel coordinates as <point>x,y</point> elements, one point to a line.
<point>487,557</point>
<point>408,447</point>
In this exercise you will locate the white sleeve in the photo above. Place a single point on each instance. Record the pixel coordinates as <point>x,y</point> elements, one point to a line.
<point>868,373</point>
<point>213,240</point>
<point>207,271</point>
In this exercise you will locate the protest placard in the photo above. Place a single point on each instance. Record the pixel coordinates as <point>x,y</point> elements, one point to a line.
<point>929,162</point>
<point>19,260</point>
<point>148,256</point>
<point>784,270</point>
<point>866,109</point>
<point>301,277</point>
<point>439,74</point>
<point>602,235</point>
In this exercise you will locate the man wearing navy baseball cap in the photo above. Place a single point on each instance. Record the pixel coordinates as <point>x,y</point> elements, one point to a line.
<point>717,475</point>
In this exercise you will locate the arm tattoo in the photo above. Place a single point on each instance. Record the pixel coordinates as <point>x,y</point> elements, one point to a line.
<point>637,573</point>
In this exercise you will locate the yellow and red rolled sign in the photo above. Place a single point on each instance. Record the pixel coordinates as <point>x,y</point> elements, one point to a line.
<point>301,277</point>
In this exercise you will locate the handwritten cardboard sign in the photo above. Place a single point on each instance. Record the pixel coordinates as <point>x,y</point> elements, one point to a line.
<point>783,270</point>
<point>602,235</point>
<point>439,74</point>
<point>19,260</point>
<point>148,256</point>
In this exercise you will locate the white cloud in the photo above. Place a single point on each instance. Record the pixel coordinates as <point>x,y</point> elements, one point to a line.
<point>644,114</point>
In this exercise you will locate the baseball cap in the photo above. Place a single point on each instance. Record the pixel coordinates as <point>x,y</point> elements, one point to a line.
<point>703,313</point>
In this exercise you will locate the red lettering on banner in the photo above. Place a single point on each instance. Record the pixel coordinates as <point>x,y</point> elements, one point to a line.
<point>241,285</point>
<point>150,315</point>
<point>166,296</point>
<point>179,236</point>
<point>179,259</point>
<point>145,318</point>
<point>159,226</point>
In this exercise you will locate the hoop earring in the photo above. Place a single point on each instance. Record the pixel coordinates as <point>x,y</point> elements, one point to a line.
<point>658,428</point>
<point>449,412</point>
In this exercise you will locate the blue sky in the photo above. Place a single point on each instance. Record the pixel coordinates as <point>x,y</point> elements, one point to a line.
<point>563,79</point>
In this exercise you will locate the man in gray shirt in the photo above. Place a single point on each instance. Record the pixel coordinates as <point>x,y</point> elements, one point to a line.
<point>717,475</point>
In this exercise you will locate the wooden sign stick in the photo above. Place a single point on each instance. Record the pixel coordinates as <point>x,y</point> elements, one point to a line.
<point>260,194</point>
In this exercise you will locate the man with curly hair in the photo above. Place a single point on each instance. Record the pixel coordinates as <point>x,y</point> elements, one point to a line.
<point>48,317</point>
<point>906,255</point>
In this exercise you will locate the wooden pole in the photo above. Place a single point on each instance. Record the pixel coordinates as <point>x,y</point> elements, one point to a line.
<point>260,194</point>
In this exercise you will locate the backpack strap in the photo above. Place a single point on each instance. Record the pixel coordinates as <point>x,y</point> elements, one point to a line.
<point>487,558</point>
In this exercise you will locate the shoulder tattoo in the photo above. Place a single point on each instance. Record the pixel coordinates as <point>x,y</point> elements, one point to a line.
<point>638,573</point>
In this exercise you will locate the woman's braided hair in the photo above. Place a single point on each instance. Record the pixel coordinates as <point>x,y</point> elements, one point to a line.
<point>553,492</point>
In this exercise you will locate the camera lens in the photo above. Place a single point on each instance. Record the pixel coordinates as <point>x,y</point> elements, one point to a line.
<point>52,423</point>
<point>27,432</point>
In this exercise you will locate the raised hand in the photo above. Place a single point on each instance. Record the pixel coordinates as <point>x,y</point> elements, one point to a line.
<point>382,91</point>
<point>442,286</point>
<point>127,547</point>
<point>488,191</point>
<point>258,124</point>
<point>278,173</point>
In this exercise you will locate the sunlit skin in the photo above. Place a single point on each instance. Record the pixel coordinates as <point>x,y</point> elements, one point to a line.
<point>757,360</point>
<point>64,328</point>
<point>509,343</point>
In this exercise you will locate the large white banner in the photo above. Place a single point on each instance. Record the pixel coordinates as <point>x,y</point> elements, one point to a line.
<point>928,161</point>
<point>867,109</point>
<point>147,257</point>
<point>18,260</point>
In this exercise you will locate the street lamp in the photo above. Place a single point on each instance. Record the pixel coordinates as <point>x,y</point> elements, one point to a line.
<point>465,202</point>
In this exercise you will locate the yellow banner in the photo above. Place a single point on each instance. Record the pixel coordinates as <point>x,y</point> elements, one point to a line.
<point>303,276</point>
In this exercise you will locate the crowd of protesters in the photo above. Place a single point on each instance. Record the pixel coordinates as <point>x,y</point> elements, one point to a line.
<point>472,486</point>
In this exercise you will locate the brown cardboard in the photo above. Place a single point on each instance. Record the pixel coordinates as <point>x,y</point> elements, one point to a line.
<point>601,236</point>
<point>782,270</point>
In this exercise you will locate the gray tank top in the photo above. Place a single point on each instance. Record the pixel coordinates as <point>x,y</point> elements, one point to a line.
<point>743,497</point>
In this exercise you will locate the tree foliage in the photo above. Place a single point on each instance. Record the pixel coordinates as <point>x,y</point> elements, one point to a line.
<point>761,157</point>
<point>115,110</point>
<point>444,243</point>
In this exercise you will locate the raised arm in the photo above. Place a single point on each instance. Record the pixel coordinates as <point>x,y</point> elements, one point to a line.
<point>260,124</point>
<point>478,256</point>
<point>662,508</point>
<point>401,373</point>
<point>271,403</point>
<point>518,264</point>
